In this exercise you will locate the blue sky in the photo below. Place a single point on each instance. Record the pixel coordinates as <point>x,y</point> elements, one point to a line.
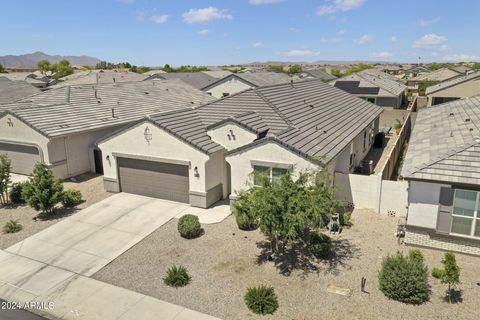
<point>216,32</point>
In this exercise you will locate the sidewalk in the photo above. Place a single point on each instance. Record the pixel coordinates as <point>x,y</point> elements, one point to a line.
<point>24,280</point>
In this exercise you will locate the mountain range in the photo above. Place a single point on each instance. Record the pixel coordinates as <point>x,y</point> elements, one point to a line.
<point>30,60</point>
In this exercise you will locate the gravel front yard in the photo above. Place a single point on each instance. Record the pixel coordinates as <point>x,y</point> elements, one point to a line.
<point>90,185</point>
<point>225,261</point>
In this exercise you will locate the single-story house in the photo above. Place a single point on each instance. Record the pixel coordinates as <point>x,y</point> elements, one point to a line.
<point>453,89</point>
<point>13,90</point>
<point>439,75</point>
<point>237,82</point>
<point>316,74</point>
<point>98,77</point>
<point>208,153</point>
<point>378,90</point>
<point>197,80</point>
<point>60,126</point>
<point>417,70</point>
<point>442,167</point>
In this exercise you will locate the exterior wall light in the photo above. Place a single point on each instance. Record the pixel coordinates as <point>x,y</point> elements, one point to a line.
<point>195,172</point>
<point>147,134</point>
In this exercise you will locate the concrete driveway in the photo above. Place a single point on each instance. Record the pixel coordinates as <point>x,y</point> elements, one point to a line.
<point>88,240</point>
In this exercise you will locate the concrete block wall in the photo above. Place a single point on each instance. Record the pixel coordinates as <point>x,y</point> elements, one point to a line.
<point>426,238</point>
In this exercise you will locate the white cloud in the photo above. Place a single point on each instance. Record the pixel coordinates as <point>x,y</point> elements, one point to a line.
<point>429,40</point>
<point>205,15</point>
<point>330,40</point>
<point>444,47</point>
<point>257,2</point>
<point>258,44</point>
<point>394,39</point>
<point>300,53</point>
<point>426,23</point>
<point>293,29</point>
<point>366,38</point>
<point>461,58</point>
<point>203,32</point>
<point>342,32</point>
<point>334,6</point>
<point>159,18</point>
<point>126,1</point>
<point>382,54</point>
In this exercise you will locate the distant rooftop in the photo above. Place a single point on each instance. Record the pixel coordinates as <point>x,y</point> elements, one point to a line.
<point>100,77</point>
<point>11,91</point>
<point>366,80</point>
<point>198,80</point>
<point>452,82</point>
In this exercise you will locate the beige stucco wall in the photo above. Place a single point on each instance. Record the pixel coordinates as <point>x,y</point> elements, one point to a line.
<point>463,90</point>
<point>19,132</point>
<point>241,165</point>
<point>231,86</point>
<point>423,199</point>
<point>162,146</point>
<point>223,136</point>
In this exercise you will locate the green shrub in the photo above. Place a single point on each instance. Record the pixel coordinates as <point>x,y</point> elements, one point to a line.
<point>177,277</point>
<point>12,226</point>
<point>43,191</point>
<point>71,198</point>
<point>244,213</point>
<point>320,245</point>
<point>345,219</point>
<point>438,273</point>
<point>189,226</point>
<point>16,193</point>
<point>405,278</point>
<point>261,300</point>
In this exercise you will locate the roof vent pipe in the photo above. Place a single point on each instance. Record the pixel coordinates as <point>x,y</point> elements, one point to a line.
<point>95,91</point>
<point>291,83</point>
<point>113,112</point>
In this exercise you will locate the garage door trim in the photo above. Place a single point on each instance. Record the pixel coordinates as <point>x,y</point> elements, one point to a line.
<point>26,144</point>
<point>150,158</point>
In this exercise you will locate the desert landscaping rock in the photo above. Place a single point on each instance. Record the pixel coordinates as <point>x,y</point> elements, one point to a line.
<point>225,261</point>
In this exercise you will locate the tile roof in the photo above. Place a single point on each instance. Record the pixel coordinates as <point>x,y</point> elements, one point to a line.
<point>319,74</point>
<point>266,78</point>
<point>311,118</point>
<point>11,91</point>
<point>381,74</point>
<point>198,80</point>
<point>75,109</point>
<point>442,74</point>
<point>445,143</point>
<point>452,82</point>
<point>387,87</point>
<point>100,77</point>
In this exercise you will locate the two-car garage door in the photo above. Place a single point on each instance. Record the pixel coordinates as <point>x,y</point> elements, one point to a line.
<point>23,158</point>
<point>154,179</point>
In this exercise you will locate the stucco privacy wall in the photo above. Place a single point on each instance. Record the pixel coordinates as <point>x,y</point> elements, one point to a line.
<point>163,147</point>
<point>223,135</point>
<point>270,152</point>
<point>371,192</point>
<point>230,86</point>
<point>14,130</point>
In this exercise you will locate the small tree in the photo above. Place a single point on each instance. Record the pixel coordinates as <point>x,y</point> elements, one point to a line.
<point>2,69</point>
<point>295,69</point>
<point>5,170</point>
<point>43,191</point>
<point>451,273</point>
<point>61,69</point>
<point>44,66</point>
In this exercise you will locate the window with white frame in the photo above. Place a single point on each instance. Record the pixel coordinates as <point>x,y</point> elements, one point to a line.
<point>465,216</point>
<point>274,174</point>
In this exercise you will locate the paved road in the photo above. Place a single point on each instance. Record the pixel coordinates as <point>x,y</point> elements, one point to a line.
<point>17,314</point>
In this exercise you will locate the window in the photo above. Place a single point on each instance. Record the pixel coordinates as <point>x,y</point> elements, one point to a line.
<point>465,217</point>
<point>372,100</point>
<point>364,140</point>
<point>274,174</point>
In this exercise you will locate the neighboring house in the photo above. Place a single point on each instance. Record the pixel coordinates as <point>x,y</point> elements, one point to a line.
<point>462,69</point>
<point>442,166</point>
<point>376,72</point>
<point>456,88</point>
<point>439,75</point>
<point>197,80</point>
<point>99,77</point>
<point>381,91</point>
<point>205,154</point>
<point>417,70</point>
<point>11,91</point>
<point>60,126</point>
<point>316,74</point>
<point>218,74</point>
<point>238,82</point>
